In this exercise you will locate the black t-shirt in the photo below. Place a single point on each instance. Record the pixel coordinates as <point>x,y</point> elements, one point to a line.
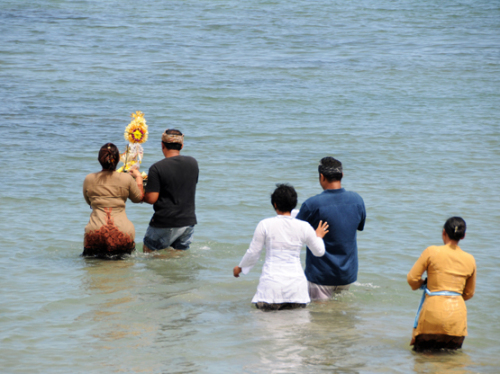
<point>175,179</point>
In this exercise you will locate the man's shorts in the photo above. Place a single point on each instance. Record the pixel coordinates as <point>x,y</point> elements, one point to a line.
<point>320,292</point>
<point>158,238</point>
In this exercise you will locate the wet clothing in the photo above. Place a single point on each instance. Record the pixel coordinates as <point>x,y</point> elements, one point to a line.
<point>320,292</point>
<point>345,213</point>
<point>430,342</point>
<point>282,306</point>
<point>448,269</point>
<point>158,238</point>
<point>282,279</point>
<point>109,233</point>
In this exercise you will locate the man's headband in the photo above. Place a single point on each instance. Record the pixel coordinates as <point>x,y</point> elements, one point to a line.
<point>172,138</point>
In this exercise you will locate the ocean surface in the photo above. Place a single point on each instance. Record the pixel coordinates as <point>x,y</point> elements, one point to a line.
<point>405,94</point>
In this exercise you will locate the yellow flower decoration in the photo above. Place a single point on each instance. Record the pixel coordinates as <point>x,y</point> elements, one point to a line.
<point>137,130</point>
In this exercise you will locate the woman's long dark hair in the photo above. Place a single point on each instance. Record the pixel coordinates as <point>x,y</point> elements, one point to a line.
<point>455,228</point>
<point>109,156</point>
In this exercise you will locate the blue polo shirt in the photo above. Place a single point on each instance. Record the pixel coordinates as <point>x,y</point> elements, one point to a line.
<point>345,213</point>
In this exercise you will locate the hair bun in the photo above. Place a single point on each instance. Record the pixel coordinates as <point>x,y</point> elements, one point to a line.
<point>455,228</point>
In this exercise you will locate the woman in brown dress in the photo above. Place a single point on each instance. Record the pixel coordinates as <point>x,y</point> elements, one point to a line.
<point>109,234</point>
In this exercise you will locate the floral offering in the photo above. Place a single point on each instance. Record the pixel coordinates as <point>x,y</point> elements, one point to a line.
<point>135,133</point>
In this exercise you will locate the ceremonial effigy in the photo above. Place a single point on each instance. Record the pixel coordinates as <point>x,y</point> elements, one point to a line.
<point>136,133</point>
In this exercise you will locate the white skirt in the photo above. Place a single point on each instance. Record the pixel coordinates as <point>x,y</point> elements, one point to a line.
<point>282,289</point>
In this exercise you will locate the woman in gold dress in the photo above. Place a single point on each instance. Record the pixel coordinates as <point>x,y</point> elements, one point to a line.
<point>109,234</point>
<point>441,321</point>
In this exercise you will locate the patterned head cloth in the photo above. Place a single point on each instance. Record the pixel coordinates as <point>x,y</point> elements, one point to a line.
<point>172,138</point>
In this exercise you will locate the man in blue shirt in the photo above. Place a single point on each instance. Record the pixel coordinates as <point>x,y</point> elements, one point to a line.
<point>345,213</point>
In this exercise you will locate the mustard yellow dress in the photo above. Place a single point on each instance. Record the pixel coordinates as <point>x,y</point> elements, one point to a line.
<point>109,233</point>
<point>448,269</point>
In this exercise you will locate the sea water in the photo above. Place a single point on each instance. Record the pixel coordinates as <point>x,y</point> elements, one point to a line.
<point>405,94</point>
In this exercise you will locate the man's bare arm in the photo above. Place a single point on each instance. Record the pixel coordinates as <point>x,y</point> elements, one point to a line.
<point>151,197</point>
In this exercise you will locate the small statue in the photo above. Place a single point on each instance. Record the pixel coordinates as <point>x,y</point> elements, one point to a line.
<point>136,133</point>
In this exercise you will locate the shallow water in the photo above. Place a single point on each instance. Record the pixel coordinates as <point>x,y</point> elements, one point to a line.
<point>405,95</point>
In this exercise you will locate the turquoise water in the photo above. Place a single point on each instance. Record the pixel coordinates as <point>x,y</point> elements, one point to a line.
<point>406,95</point>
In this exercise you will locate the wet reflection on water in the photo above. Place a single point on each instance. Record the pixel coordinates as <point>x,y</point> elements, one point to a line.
<point>321,336</point>
<point>174,306</point>
<point>142,303</point>
<point>112,286</point>
<point>110,278</point>
<point>334,338</point>
<point>179,310</point>
<point>171,273</point>
<point>166,254</point>
<point>107,276</point>
<point>282,332</point>
<point>444,362</point>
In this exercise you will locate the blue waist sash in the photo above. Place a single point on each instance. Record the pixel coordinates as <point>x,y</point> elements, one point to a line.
<point>437,293</point>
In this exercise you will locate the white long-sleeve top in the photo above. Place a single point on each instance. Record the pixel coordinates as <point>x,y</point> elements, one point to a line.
<point>282,279</point>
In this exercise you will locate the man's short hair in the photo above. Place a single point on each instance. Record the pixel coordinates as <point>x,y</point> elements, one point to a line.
<point>174,146</point>
<point>284,197</point>
<point>331,169</point>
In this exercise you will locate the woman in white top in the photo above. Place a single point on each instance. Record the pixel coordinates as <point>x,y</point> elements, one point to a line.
<point>282,284</point>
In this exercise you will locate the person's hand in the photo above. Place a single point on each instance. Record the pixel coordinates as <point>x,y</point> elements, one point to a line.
<point>322,229</point>
<point>135,173</point>
<point>236,271</point>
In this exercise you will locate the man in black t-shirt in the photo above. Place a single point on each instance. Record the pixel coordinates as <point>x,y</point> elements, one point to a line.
<point>171,188</point>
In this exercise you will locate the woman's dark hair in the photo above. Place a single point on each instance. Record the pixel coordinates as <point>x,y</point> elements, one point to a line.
<point>455,228</point>
<point>284,197</point>
<point>109,156</point>
<point>175,146</point>
<point>331,169</point>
